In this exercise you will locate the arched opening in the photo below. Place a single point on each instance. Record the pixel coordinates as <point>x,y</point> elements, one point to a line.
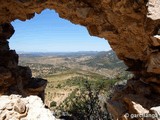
<point>66,55</point>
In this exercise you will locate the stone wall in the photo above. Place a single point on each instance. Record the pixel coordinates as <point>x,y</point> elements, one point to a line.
<point>14,107</point>
<point>131,28</point>
<point>16,79</point>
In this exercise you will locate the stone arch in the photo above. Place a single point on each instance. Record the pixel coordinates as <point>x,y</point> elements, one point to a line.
<point>129,27</point>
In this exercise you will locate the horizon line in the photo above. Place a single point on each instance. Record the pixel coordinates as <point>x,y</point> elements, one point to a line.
<point>61,51</point>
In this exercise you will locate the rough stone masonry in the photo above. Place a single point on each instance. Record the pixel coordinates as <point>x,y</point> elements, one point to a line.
<point>16,79</point>
<point>131,28</point>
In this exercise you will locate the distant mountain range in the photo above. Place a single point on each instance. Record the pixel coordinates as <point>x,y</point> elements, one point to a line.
<point>106,60</point>
<point>94,59</point>
<point>68,54</point>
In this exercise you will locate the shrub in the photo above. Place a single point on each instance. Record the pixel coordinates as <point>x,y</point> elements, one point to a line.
<point>53,104</point>
<point>87,105</point>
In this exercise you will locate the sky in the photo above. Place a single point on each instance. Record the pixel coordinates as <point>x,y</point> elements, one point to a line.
<point>47,32</point>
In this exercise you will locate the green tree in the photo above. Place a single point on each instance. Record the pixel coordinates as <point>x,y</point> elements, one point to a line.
<point>87,105</point>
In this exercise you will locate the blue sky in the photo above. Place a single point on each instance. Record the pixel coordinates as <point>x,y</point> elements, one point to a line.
<point>47,32</point>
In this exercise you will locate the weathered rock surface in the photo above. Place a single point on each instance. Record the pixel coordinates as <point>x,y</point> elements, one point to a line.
<point>130,26</point>
<point>153,9</point>
<point>137,97</point>
<point>14,107</point>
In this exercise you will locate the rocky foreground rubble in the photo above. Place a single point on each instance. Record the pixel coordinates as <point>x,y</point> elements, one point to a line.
<point>14,107</point>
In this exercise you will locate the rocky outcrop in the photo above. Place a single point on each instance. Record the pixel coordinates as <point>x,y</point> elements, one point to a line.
<point>16,79</point>
<point>14,107</point>
<point>136,98</point>
<point>131,28</point>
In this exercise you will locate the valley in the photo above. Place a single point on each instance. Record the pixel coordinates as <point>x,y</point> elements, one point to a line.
<point>67,72</point>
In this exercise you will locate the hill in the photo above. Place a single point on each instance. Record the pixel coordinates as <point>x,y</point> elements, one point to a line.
<point>66,72</point>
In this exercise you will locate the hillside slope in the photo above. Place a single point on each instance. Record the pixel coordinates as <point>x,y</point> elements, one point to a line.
<point>66,71</point>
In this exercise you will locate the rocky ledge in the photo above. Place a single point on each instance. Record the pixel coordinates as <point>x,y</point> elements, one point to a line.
<point>14,107</point>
